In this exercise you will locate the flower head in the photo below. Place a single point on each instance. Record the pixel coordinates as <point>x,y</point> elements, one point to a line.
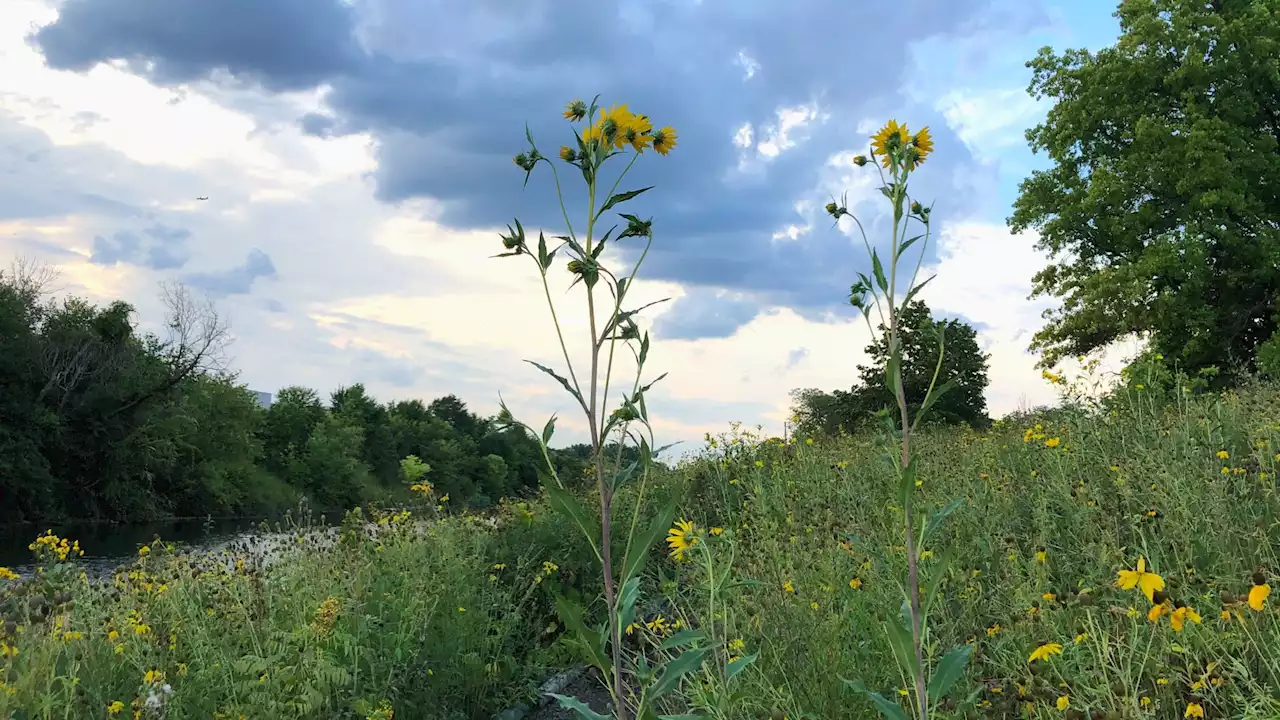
<point>664,140</point>
<point>575,110</point>
<point>1181,615</point>
<point>1194,710</point>
<point>1043,652</point>
<point>1258,595</point>
<point>1147,582</point>
<point>681,538</point>
<point>890,138</point>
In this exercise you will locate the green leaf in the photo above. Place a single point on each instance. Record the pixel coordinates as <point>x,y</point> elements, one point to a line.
<point>638,550</point>
<point>548,430</point>
<point>673,671</point>
<point>934,396</point>
<point>620,198</point>
<point>566,504</point>
<point>906,482</point>
<point>878,269</point>
<point>683,638</point>
<point>935,580</point>
<point>900,641</point>
<point>913,291</point>
<point>891,372</point>
<point>948,671</point>
<point>903,247</point>
<point>590,640</point>
<point>627,602</point>
<point>579,707</point>
<point>739,665</point>
<point>935,521</point>
<point>557,376</point>
<point>890,710</point>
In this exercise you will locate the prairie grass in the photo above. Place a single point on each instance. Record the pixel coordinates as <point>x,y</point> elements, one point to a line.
<point>456,619</point>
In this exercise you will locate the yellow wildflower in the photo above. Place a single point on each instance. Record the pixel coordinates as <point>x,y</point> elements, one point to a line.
<point>7,574</point>
<point>1258,595</point>
<point>1052,442</point>
<point>788,587</point>
<point>664,140</point>
<point>1147,582</point>
<point>1063,702</point>
<point>891,137</point>
<point>1181,615</point>
<point>1043,652</point>
<point>115,707</point>
<point>681,538</point>
<point>1194,710</point>
<point>856,583</point>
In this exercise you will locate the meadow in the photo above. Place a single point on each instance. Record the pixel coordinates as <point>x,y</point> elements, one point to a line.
<point>410,615</point>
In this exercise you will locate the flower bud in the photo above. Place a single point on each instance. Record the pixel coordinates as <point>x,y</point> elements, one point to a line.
<point>575,110</point>
<point>859,160</point>
<point>917,208</point>
<point>568,154</point>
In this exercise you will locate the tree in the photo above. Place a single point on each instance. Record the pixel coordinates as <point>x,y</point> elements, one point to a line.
<point>964,366</point>
<point>1162,209</point>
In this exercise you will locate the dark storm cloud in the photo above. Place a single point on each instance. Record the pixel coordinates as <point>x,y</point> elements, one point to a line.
<point>445,88</point>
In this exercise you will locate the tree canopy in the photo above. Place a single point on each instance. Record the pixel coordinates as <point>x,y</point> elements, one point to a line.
<point>100,421</point>
<point>1162,208</point>
<point>963,363</point>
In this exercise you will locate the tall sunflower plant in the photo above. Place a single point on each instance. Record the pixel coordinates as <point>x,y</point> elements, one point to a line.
<point>599,136</point>
<point>897,153</point>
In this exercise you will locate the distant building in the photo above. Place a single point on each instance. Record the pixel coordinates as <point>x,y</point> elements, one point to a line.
<point>264,398</point>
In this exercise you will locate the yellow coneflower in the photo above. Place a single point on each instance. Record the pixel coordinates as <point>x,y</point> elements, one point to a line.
<point>1194,710</point>
<point>681,538</point>
<point>1063,702</point>
<point>1259,593</point>
<point>1181,615</point>
<point>1044,652</point>
<point>1147,582</point>
<point>923,144</point>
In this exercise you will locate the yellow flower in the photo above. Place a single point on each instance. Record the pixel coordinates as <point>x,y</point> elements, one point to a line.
<point>1181,615</point>
<point>144,550</point>
<point>1159,609</point>
<point>153,676</point>
<point>1049,597</point>
<point>788,587</point>
<point>664,140</point>
<point>856,583</point>
<point>717,531</point>
<point>1258,595</point>
<point>1042,556</point>
<point>1145,581</point>
<point>1064,702</point>
<point>1145,701</point>
<point>1223,455</point>
<point>575,110</point>
<point>991,631</point>
<point>7,574</point>
<point>682,538</point>
<point>1043,652</point>
<point>1194,710</point>
<point>1053,442</point>
<point>891,137</point>
<point>115,708</point>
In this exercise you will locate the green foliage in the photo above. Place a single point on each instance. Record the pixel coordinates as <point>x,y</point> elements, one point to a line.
<point>99,421</point>
<point>1161,208</point>
<point>964,365</point>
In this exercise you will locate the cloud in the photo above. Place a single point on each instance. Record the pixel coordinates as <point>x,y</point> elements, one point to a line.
<point>166,249</point>
<point>706,313</point>
<point>237,280</point>
<point>443,88</point>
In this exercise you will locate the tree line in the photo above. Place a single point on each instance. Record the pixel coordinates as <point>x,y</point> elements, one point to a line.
<point>101,421</point>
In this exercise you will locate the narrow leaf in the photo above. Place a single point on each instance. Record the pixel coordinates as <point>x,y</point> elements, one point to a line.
<point>577,706</point>
<point>627,602</point>
<point>548,430</point>
<point>683,638</point>
<point>948,671</point>
<point>878,269</point>
<point>935,521</point>
<point>641,544</point>
<point>563,381</point>
<point>903,247</point>
<point>675,670</point>
<point>567,505</point>
<point>935,580</point>
<point>738,665</point>
<point>620,198</point>
<point>913,291</point>
<point>590,640</point>
<point>900,641</point>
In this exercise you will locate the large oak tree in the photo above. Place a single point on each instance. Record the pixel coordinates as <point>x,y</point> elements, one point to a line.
<point>1162,209</point>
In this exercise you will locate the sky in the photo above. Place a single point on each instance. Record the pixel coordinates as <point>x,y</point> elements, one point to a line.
<point>356,157</point>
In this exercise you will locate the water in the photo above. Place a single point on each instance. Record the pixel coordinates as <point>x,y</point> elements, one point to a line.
<point>107,546</point>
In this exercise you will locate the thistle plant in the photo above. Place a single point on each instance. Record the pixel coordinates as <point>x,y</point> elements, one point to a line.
<point>896,154</point>
<point>599,137</point>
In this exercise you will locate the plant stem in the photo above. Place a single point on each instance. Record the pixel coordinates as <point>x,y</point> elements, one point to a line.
<point>908,511</point>
<point>606,496</point>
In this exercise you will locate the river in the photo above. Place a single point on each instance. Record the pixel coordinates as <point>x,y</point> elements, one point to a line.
<point>106,546</point>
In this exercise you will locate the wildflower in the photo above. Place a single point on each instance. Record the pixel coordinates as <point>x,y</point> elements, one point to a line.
<point>144,550</point>
<point>923,144</point>
<point>717,531</point>
<point>737,644</point>
<point>7,574</point>
<point>1049,597</point>
<point>575,110</point>
<point>890,138</point>
<point>153,676</point>
<point>1223,455</point>
<point>461,609</point>
<point>1043,652</point>
<point>1144,701</point>
<point>859,160</point>
<point>1041,556</point>
<point>1259,593</point>
<point>681,538</point>
<point>991,631</point>
<point>1194,710</point>
<point>664,140</point>
<point>658,625</point>
<point>1052,442</point>
<point>1063,702</point>
<point>814,605</point>
<point>1146,582</point>
<point>1161,607</point>
<point>788,587</point>
<point>856,583</point>
<point>1181,615</point>
<point>115,707</point>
